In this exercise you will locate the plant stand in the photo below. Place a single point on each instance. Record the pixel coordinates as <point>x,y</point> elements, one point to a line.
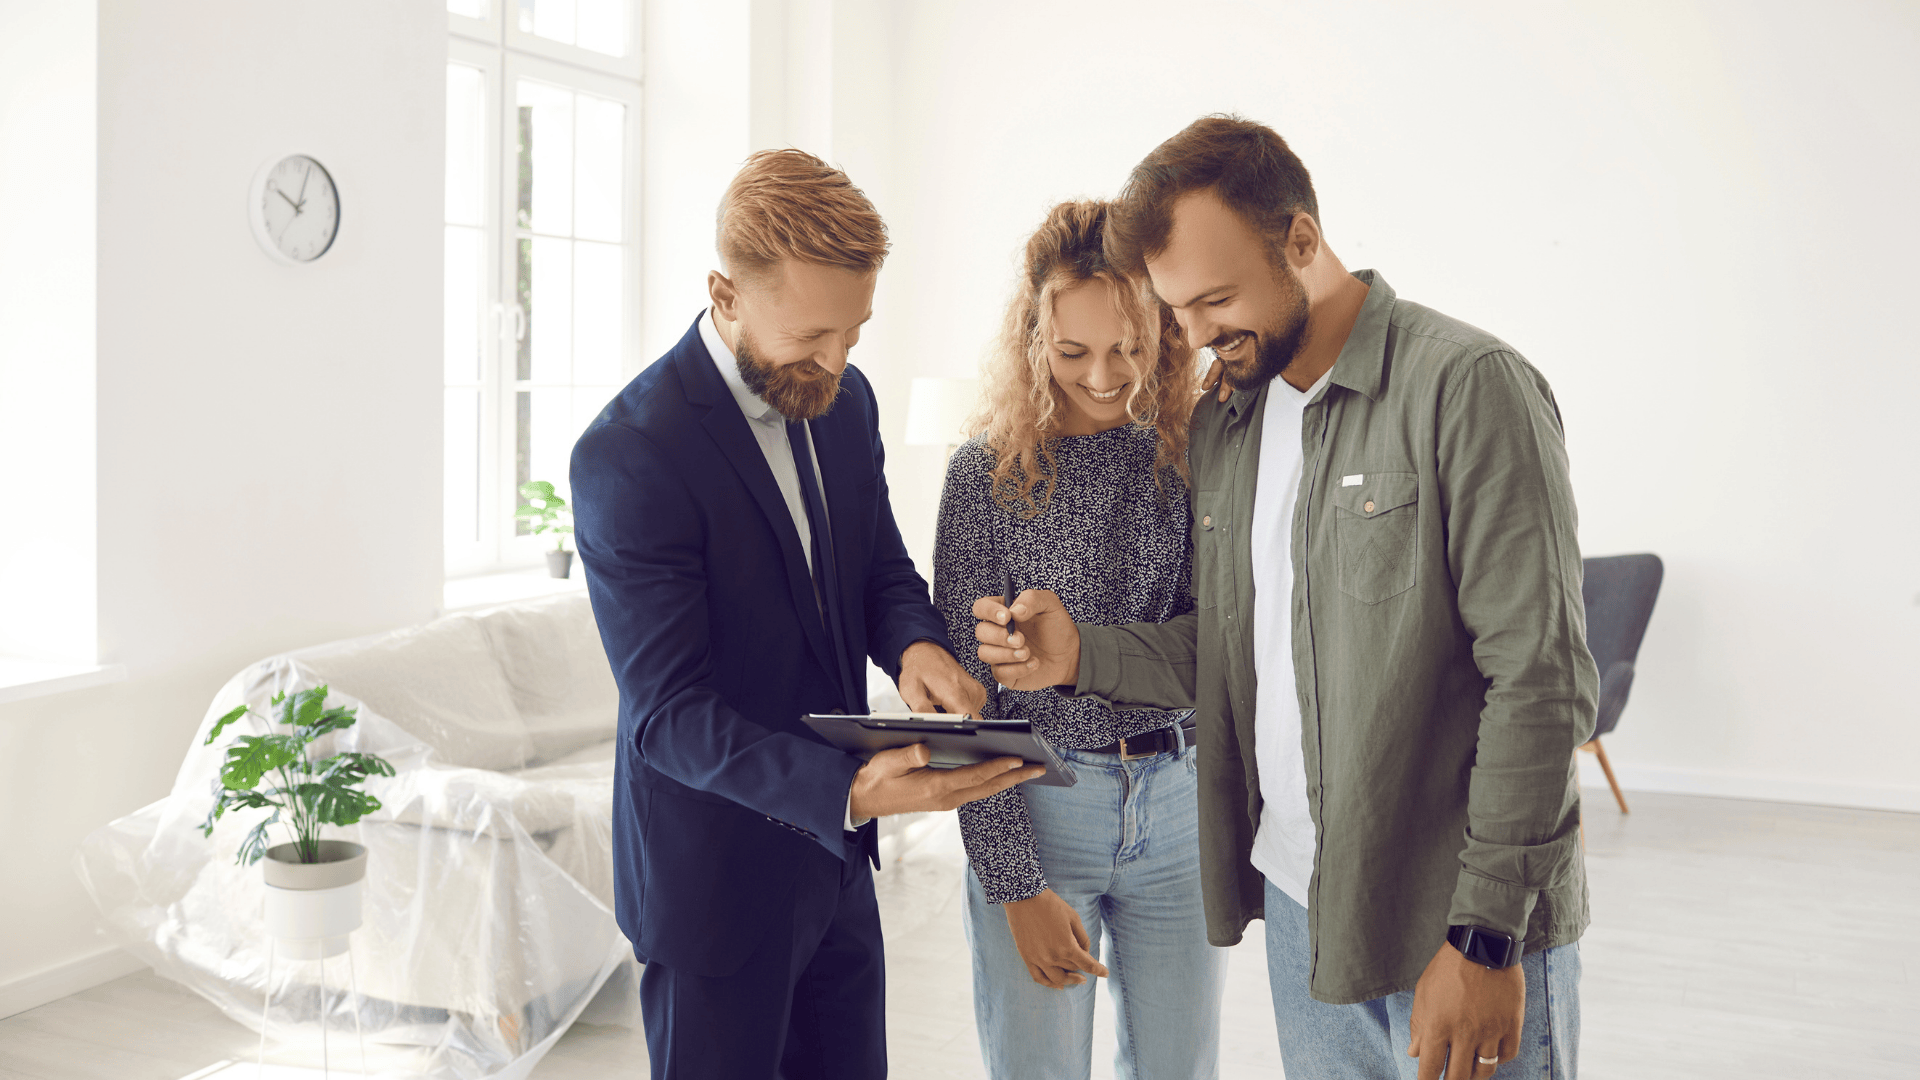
<point>311,909</point>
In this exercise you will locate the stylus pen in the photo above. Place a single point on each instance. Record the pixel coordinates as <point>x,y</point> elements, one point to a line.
<point>1006,590</point>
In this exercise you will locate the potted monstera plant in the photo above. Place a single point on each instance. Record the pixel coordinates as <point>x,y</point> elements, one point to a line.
<point>543,511</point>
<point>313,885</point>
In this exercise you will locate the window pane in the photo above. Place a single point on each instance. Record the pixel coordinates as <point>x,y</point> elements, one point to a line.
<point>551,19</point>
<point>522,453</point>
<point>466,144</point>
<point>599,167</point>
<point>602,26</point>
<point>472,9</point>
<point>546,158</point>
<point>597,292</point>
<point>548,296</point>
<point>462,511</point>
<point>466,288</point>
<point>547,431</point>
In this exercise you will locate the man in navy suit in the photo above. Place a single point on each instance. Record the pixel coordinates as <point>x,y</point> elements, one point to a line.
<point>743,561</point>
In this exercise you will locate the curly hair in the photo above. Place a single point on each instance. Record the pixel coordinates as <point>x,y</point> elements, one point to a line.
<point>1022,408</point>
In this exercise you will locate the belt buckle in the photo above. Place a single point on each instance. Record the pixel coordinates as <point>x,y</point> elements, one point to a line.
<point>1128,755</point>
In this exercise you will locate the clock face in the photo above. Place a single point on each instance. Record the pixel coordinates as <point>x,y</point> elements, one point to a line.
<point>296,211</point>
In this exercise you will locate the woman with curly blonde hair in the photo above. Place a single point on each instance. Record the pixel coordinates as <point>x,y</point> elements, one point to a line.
<point>1076,482</point>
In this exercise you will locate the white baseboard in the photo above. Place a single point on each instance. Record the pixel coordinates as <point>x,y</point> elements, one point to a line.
<point>60,980</point>
<point>1670,780</point>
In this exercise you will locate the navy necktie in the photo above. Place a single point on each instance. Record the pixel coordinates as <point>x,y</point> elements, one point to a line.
<point>826,576</point>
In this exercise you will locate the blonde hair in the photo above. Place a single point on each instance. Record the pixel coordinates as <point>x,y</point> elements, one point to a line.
<point>788,204</point>
<point>1022,407</point>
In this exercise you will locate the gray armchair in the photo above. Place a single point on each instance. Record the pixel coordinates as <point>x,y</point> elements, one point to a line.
<point>1619,591</point>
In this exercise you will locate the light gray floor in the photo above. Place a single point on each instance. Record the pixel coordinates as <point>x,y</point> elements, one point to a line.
<point>1730,939</point>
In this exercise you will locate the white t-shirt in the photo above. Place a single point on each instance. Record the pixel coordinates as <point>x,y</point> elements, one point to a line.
<point>1283,845</point>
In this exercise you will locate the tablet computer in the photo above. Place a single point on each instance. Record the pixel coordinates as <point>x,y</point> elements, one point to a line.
<point>952,741</point>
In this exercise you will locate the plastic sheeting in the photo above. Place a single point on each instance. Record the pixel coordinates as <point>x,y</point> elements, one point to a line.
<point>489,892</point>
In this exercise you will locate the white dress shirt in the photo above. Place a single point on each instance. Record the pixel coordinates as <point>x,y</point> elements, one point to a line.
<point>1283,844</point>
<point>770,431</point>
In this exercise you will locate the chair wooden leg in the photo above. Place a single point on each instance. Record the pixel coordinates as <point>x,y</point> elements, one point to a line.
<point>1600,752</point>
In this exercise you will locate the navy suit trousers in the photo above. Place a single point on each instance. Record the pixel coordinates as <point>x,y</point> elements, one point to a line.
<point>808,1004</point>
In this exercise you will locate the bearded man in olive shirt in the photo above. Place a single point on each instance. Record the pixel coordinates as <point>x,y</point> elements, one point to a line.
<point>1388,652</point>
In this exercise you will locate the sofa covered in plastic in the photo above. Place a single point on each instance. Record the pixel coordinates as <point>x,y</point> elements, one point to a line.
<point>488,925</point>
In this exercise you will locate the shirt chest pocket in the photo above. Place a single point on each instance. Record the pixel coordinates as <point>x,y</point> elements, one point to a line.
<point>1209,546</point>
<point>1374,534</point>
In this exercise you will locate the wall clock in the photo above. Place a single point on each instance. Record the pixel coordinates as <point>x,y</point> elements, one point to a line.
<point>295,209</point>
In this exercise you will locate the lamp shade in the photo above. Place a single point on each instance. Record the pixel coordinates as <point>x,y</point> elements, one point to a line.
<point>937,411</point>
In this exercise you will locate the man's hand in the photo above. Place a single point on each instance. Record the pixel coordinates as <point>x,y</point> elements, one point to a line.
<point>897,781</point>
<point>1462,1012</point>
<point>1044,647</point>
<point>1052,941</point>
<point>1216,377</point>
<point>933,681</point>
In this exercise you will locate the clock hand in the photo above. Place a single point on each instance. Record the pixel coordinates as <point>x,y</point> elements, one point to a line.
<point>303,184</point>
<point>290,202</point>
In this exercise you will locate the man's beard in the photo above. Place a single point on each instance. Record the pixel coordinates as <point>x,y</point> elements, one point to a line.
<point>1274,347</point>
<point>802,390</point>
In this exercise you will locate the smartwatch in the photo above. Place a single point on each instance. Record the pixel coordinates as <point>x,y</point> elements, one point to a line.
<point>1488,948</point>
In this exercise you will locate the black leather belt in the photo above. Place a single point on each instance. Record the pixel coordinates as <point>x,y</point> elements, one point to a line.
<point>1147,743</point>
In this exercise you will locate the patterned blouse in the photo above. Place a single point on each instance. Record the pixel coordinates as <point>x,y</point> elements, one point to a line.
<point>1116,548</point>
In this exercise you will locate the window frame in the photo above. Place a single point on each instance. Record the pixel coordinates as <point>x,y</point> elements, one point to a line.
<point>497,28</point>
<point>503,56</point>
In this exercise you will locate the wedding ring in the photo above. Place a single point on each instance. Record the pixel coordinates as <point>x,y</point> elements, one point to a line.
<point>1486,1060</point>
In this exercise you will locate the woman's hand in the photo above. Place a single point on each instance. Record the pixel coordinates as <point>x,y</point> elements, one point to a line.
<point>1051,940</point>
<point>1216,379</point>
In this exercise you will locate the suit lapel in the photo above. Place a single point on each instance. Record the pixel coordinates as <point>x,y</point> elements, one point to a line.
<point>727,426</point>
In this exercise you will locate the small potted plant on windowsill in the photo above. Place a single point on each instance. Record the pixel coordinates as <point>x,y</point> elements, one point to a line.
<point>544,511</point>
<point>313,893</point>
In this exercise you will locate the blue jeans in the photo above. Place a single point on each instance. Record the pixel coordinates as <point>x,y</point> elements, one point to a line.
<point>1368,1040</point>
<point>1122,846</point>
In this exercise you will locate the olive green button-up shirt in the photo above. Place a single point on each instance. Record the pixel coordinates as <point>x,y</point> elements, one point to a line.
<point>1439,652</point>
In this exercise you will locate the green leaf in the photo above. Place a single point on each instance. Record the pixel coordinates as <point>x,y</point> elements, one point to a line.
<point>536,489</point>
<point>255,845</point>
<point>333,719</point>
<point>351,767</point>
<point>225,799</point>
<point>256,755</point>
<point>221,724</point>
<point>336,802</point>
<point>307,707</point>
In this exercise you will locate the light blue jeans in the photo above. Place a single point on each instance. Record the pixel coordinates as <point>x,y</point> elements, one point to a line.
<point>1122,846</point>
<point>1368,1040</point>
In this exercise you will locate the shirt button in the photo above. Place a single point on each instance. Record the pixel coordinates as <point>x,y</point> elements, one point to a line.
<point>1207,522</point>
<point>1369,506</point>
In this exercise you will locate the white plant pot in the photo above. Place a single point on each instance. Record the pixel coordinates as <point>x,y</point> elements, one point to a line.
<point>312,907</point>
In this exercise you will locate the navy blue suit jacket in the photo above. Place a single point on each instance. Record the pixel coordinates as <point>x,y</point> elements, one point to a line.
<point>706,607</point>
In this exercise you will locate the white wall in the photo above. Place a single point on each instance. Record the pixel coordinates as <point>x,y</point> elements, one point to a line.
<point>1696,218</point>
<point>46,329</point>
<point>268,436</point>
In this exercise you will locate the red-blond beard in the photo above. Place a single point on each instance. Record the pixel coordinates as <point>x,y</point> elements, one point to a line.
<point>802,390</point>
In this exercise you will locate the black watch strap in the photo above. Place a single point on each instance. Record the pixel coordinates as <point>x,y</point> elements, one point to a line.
<point>1488,948</point>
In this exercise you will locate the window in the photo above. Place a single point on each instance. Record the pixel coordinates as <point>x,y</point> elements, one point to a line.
<point>542,252</point>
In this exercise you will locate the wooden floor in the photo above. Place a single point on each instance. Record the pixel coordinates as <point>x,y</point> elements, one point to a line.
<point>1730,939</point>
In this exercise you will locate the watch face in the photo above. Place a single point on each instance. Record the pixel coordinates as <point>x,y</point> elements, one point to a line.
<point>299,209</point>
